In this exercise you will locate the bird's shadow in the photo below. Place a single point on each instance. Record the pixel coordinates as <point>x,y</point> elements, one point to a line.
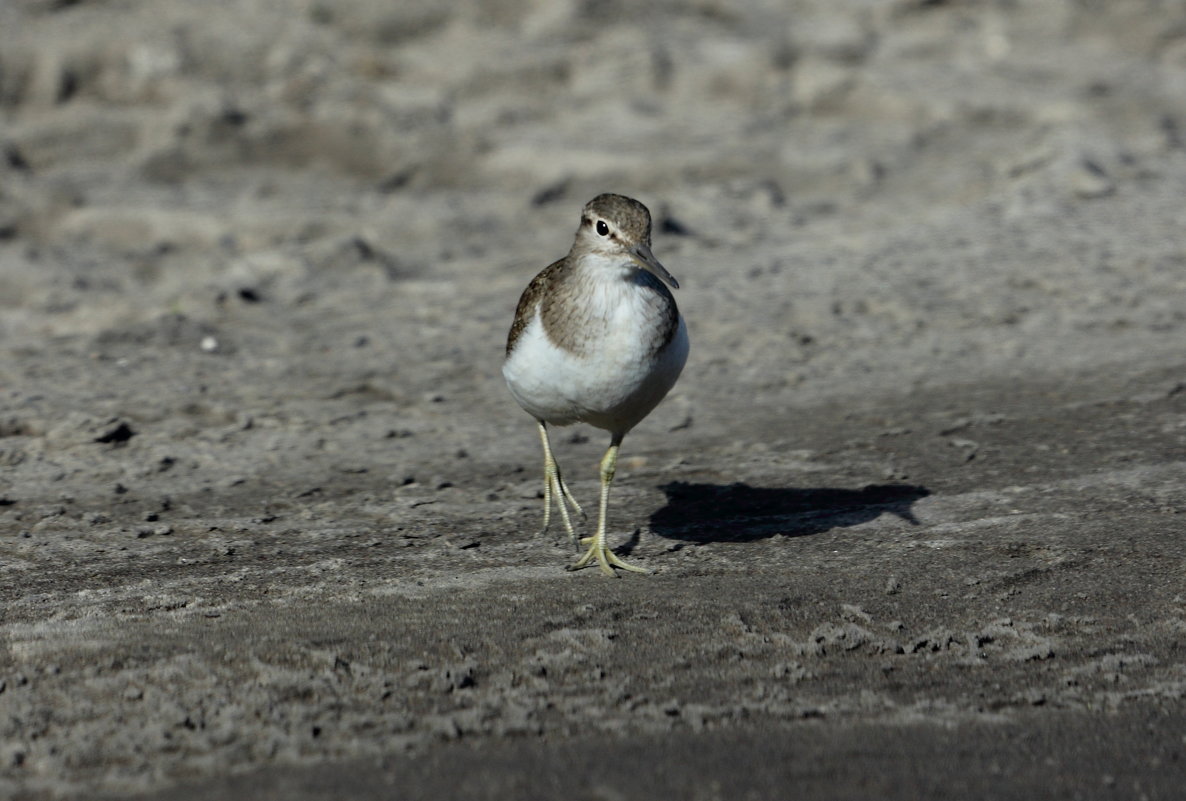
<point>741,513</point>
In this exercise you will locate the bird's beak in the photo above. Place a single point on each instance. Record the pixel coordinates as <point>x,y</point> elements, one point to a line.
<point>641,253</point>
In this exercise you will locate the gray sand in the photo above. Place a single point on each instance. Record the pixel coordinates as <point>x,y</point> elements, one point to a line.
<point>268,514</point>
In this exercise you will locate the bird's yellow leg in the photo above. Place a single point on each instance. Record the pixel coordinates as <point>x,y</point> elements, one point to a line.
<point>606,559</point>
<point>554,486</point>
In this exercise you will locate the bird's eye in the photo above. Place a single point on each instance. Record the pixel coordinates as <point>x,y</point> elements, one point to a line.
<point>602,228</point>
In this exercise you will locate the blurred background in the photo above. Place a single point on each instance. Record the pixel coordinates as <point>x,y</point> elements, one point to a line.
<point>158,154</point>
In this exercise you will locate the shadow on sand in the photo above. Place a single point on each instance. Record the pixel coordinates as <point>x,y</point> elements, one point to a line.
<point>741,513</point>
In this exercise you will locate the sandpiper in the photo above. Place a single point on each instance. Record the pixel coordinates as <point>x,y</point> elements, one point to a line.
<point>596,339</point>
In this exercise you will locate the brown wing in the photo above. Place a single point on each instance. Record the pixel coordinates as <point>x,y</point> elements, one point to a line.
<point>670,314</point>
<point>529,302</point>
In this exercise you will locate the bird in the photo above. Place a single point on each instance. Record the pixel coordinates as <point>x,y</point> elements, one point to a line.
<point>597,338</point>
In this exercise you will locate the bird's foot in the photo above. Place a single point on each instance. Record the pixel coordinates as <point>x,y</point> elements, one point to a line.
<point>606,559</point>
<point>559,490</point>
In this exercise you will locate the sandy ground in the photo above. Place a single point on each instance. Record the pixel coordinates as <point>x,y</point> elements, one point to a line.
<point>915,509</point>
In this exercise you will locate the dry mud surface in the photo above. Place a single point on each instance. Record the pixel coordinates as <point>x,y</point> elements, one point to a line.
<point>915,509</point>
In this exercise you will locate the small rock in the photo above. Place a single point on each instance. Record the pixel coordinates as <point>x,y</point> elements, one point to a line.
<point>969,446</point>
<point>1088,180</point>
<point>817,82</point>
<point>116,435</point>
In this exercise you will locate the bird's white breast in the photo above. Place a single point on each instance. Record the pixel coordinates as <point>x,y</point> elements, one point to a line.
<point>620,376</point>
